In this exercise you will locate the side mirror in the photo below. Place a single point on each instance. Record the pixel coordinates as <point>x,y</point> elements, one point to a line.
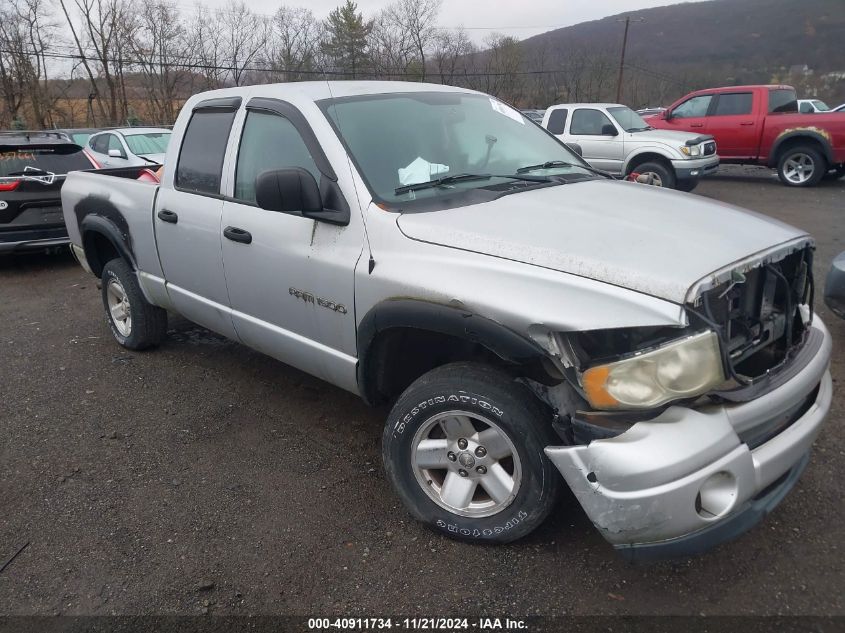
<point>294,190</point>
<point>666,115</point>
<point>288,190</point>
<point>608,129</point>
<point>116,153</point>
<point>575,148</point>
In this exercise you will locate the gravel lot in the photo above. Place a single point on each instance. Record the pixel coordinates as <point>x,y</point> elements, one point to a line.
<point>203,477</point>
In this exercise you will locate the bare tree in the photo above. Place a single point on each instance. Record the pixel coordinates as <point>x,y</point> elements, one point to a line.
<point>102,40</point>
<point>244,36</point>
<point>206,40</point>
<point>452,53</point>
<point>294,47</point>
<point>159,46</point>
<point>417,20</point>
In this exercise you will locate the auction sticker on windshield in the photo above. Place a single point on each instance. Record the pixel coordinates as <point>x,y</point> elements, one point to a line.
<point>501,108</point>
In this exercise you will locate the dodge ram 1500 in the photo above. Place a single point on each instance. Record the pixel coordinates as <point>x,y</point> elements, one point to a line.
<point>527,316</point>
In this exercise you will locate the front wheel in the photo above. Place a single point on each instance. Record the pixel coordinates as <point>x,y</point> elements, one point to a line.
<point>801,166</point>
<point>658,174</point>
<point>463,448</point>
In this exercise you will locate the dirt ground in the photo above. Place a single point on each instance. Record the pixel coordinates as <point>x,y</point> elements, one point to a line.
<point>203,477</point>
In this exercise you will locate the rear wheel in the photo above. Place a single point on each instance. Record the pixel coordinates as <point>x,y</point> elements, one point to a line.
<point>463,447</point>
<point>660,175</point>
<point>134,321</point>
<point>801,166</point>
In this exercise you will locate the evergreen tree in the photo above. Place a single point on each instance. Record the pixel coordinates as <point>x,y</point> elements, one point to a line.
<point>347,41</point>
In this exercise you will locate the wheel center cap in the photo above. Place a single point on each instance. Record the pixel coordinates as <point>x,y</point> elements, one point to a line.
<point>466,460</point>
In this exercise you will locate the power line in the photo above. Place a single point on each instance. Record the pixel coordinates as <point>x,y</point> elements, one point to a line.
<point>191,63</point>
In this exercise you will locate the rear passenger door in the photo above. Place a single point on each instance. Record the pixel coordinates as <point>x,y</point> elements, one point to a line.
<point>733,122</point>
<point>188,215</point>
<point>600,140</point>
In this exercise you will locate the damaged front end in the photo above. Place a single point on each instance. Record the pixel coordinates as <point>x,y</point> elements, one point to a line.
<point>686,437</point>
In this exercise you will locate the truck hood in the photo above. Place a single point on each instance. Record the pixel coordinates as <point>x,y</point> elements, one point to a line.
<point>651,240</point>
<point>673,138</point>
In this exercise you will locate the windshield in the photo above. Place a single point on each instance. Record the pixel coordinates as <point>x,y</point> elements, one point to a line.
<point>629,120</point>
<point>147,143</point>
<point>407,138</point>
<point>57,160</point>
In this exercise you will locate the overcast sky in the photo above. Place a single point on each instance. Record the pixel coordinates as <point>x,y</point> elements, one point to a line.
<point>521,19</point>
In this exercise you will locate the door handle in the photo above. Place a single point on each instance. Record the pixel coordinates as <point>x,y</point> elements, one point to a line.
<point>237,235</point>
<point>696,124</point>
<point>168,216</point>
<point>746,122</point>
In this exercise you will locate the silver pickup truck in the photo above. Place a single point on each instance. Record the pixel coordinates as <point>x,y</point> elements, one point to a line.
<point>527,317</point>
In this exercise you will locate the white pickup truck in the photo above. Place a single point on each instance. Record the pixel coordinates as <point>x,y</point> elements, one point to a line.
<point>527,316</point>
<point>616,139</point>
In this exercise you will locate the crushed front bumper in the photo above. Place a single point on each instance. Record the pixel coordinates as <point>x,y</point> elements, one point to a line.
<point>685,481</point>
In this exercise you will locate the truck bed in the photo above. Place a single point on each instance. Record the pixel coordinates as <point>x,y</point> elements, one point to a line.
<point>114,197</point>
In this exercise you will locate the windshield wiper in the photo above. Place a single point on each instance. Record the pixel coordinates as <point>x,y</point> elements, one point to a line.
<point>448,180</point>
<point>549,164</point>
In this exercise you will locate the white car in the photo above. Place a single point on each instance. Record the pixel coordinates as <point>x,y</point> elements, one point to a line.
<point>839,108</point>
<point>616,139</point>
<point>809,106</point>
<point>129,147</point>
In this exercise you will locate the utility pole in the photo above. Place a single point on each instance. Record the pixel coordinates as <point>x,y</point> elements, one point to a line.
<point>622,58</point>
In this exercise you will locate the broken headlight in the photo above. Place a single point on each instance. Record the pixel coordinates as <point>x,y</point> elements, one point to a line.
<point>685,368</point>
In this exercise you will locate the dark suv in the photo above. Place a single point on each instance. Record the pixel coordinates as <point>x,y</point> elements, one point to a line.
<point>33,166</point>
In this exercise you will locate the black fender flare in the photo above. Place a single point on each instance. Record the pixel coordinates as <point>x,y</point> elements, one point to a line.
<point>92,225</point>
<point>808,133</point>
<point>442,319</point>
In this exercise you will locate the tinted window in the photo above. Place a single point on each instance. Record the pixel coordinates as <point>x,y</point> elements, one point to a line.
<point>100,143</point>
<point>733,103</point>
<point>55,160</point>
<point>269,141</point>
<point>783,100</point>
<point>557,121</point>
<point>589,122</point>
<point>695,107</point>
<point>203,149</point>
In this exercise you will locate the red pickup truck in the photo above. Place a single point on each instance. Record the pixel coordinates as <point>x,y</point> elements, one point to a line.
<point>760,125</point>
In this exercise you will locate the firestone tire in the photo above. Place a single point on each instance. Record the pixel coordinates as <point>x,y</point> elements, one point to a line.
<point>506,416</point>
<point>135,323</point>
<point>801,166</point>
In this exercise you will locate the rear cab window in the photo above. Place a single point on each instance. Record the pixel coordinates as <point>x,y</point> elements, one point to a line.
<point>782,100</point>
<point>200,165</point>
<point>557,120</point>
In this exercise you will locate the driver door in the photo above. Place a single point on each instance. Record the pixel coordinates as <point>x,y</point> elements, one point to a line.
<point>600,141</point>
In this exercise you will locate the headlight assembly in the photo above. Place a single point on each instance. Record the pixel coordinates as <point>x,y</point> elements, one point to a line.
<point>691,150</point>
<point>681,369</point>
